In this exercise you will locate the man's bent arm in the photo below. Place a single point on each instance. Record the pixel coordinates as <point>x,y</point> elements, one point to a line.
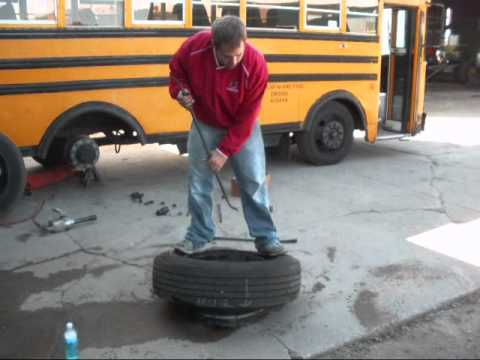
<point>247,115</point>
<point>178,74</point>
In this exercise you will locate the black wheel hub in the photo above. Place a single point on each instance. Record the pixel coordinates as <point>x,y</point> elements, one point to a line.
<point>331,135</point>
<point>220,318</point>
<point>227,255</point>
<point>229,318</point>
<point>86,154</point>
<point>83,152</point>
<point>3,175</point>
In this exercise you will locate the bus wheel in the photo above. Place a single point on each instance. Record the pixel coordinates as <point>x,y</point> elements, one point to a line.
<point>467,73</point>
<point>13,174</point>
<point>56,155</point>
<point>329,136</point>
<point>472,75</point>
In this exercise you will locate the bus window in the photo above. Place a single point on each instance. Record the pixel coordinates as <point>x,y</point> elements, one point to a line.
<point>323,14</point>
<point>158,12</point>
<point>362,16</point>
<point>101,13</point>
<point>273,14</point>
<point>28,11</point>
<point>205,12</point>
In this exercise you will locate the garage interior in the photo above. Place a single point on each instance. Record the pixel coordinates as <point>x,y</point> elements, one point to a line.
<point>387,238</point>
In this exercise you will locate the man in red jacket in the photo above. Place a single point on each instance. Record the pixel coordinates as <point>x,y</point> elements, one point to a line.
<point>224,78</point>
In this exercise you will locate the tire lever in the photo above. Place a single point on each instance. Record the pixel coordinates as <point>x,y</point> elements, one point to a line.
<point>204,143</point>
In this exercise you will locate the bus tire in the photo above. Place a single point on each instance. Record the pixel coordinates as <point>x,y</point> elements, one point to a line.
<point>56,155</point>
<point>13,174</point>
<point>466,73</point>
<point>228,279</point>
<point>471,75</point>
<point>328,137</point>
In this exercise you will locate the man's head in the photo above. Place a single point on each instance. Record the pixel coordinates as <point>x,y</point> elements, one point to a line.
<point>229,35</point>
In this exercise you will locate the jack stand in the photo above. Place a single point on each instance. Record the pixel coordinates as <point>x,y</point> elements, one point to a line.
<point>44,178</point>
<point>88,175</point>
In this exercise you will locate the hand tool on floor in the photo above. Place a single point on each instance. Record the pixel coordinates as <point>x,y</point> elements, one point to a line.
<point>224,238</point>
<point>185,92</point>
<point>64,222</point>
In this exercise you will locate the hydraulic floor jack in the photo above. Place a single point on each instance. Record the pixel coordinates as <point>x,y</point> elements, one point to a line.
<point>46,177</point>
<point>82,156</point>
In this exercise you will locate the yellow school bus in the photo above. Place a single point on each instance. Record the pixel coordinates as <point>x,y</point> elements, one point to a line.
<point>73,68</point>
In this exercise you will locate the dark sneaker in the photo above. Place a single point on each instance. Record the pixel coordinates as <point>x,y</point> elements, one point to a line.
<point>271,249</point>
<point>189,248</point>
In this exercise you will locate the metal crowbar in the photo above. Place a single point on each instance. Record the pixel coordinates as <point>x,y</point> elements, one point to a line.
<point>185,92</point>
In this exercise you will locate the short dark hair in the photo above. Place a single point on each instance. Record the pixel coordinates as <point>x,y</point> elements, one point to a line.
<point>228,30</point>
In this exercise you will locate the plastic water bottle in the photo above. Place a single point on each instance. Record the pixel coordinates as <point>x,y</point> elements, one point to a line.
<point>71,342</point>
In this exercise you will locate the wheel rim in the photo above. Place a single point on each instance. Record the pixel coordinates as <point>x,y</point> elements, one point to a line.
<point>228,255</point>
<point>330,135</point>
<point>3,175</point>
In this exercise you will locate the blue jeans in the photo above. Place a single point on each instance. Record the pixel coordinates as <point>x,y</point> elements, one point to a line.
<point>249,168</point>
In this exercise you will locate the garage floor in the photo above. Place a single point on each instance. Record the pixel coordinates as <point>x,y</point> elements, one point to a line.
<point>384,236</point>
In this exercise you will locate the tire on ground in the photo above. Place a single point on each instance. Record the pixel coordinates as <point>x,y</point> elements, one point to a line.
<point>227,279</point>
<point>12,174</point>
<point>328,137</point>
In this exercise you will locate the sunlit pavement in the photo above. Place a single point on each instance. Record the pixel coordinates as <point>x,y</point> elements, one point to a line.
<point>384,236</point>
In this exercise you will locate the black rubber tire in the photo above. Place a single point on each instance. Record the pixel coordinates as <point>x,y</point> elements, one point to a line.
<point>13,174</point>
<point>56,155</point>
<point>467,73</point>
<point>472,76</point>
<point>227,279</point>
<point>311,141</point>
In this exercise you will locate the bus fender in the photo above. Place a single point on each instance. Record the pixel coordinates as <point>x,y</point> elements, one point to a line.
<point>70,115</point>
<point>345,98</point>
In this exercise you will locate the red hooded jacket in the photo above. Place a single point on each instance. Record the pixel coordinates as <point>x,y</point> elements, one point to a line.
<point>224,98</point>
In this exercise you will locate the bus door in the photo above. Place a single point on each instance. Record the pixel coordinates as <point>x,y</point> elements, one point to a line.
<point>398,66</point>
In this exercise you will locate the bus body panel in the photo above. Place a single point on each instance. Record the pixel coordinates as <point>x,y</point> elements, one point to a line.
<point>152,106</point>
<point>44,73</point>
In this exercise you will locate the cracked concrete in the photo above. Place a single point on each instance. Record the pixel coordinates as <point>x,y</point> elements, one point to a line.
<point>103,254</point>
<point>354,221</point>
<point>292,353</point>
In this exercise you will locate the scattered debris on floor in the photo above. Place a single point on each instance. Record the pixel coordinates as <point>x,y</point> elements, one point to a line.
<point>137,197</point>
<point>163,211</point>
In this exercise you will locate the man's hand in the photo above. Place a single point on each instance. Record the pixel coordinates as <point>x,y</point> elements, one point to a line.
<point>185,99</point>
<point>216,161</point>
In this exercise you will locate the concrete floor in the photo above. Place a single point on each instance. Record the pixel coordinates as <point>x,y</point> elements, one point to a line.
<point>384,236</point>
<point>450,332</point>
